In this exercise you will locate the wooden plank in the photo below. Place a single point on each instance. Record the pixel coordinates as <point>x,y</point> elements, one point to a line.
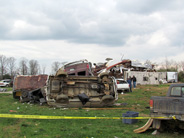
<point>145,127</point>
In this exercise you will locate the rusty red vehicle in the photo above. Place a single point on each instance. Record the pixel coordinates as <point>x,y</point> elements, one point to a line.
<point>29,87</point>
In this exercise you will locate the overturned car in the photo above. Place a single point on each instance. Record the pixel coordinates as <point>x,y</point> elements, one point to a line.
<point>65,90</point>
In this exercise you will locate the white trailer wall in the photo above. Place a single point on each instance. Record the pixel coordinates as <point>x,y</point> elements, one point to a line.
<point>172,76</point>
<point>144,78</point>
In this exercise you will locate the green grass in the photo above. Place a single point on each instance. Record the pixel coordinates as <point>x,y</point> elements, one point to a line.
<point>27,128</point>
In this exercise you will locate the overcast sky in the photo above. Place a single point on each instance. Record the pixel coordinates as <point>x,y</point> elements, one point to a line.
<point>69,30</point>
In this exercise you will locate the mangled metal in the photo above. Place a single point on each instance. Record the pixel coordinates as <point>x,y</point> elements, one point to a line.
<point>30,88</point>
<point>74,85</point>
<point>80,91</point>
<point>79,68</point>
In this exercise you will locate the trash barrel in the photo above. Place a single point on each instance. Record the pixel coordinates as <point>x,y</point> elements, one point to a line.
<point>130,114</point>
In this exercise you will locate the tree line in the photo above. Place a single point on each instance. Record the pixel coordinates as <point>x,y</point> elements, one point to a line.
<point>173,66</point>
<point>9,67</point>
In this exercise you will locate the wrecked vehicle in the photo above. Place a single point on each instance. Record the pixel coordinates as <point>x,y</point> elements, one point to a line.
<point>74,85</point>
<point>168,107</point>
<point>30,88</point>
<point>79,68</point>
<point>65,90</point>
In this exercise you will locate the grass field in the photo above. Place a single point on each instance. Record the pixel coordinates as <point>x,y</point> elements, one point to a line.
<point>137,101</point>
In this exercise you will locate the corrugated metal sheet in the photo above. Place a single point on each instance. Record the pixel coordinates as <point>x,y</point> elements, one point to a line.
<point>30,82</point>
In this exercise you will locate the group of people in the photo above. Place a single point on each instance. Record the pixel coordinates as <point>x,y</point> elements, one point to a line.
<point>130,80</point>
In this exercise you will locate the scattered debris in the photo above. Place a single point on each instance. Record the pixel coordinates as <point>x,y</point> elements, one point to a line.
<point>13,111</point>
<point>3,89</point>
<point>120,104</point>
<point>83,98</point>
<point>145,127</point>
<point>30,88</point>
<point>156,132</point>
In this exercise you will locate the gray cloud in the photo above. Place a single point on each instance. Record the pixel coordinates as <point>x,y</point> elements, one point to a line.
<point>148,6</point>
<point>109,23</point>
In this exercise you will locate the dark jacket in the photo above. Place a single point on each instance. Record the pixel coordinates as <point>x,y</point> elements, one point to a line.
<point>134,79</point>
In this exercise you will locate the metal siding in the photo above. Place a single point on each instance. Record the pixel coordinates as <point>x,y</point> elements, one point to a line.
<point>30,82</point>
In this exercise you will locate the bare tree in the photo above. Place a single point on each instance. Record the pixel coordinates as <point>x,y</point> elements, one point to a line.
<point>182,65</point>
<point>55,66</point>
<point>34,67</point>
<point>3,64</point>
<point>23,66</point>
<point>11,66</point>
<point>171,64</point>
<point>174,64</point>
<point>43,68</point>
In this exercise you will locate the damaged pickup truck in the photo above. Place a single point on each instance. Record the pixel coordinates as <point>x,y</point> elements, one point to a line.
<point>30,88</point>
<point>80,91</point>
<point>171,105</point>
<point>168,107</point>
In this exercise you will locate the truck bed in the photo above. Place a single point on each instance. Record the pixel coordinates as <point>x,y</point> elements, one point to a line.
<point>168,105</point>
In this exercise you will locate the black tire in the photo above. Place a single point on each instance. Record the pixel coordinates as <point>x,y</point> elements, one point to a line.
<point>107,98</point>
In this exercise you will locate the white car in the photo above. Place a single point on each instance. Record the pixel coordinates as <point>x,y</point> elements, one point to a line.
<point>5,83</point>
<point>122,85</point>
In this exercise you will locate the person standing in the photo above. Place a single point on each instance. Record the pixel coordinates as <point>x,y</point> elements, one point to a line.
<point>129,80</point>
<point>134,81</point>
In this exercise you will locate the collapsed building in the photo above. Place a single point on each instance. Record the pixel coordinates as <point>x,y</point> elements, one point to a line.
<point>145,73</point>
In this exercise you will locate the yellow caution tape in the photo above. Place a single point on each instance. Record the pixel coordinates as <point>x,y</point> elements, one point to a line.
<point>174,117</point>
<point>73,117</point>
